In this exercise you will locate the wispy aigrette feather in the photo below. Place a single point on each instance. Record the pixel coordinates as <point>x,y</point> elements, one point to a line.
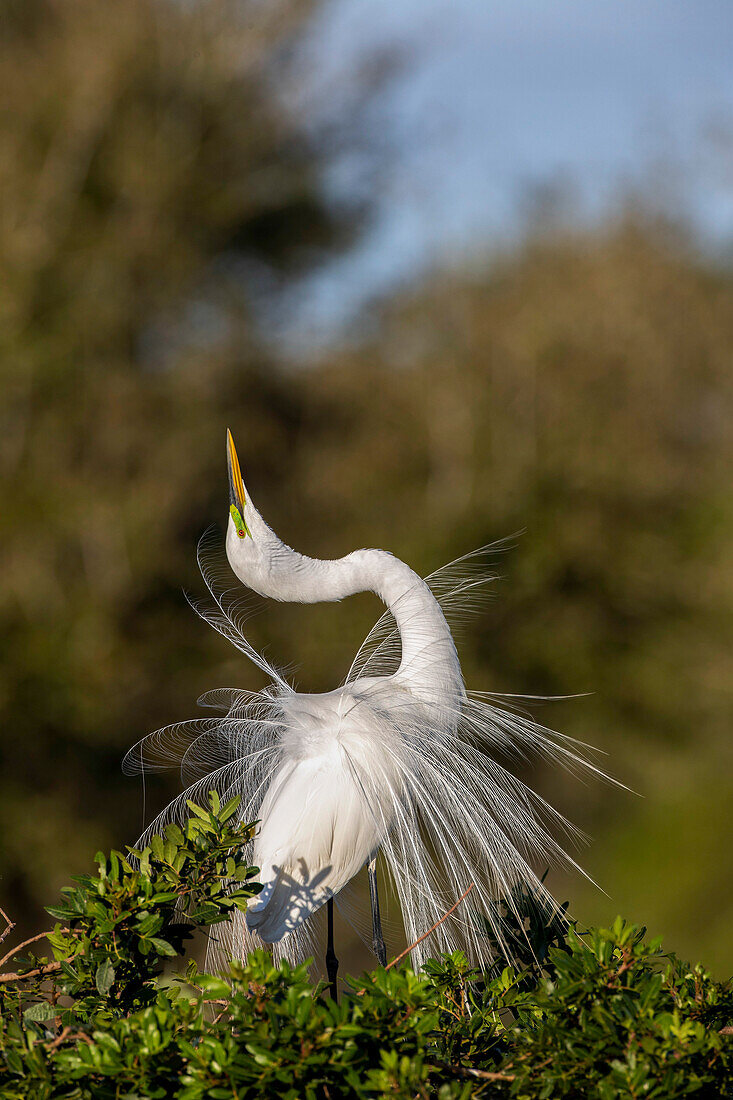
<point>418,773</point>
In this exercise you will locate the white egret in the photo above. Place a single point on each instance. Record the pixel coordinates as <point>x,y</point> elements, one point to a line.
<point>399,761</point>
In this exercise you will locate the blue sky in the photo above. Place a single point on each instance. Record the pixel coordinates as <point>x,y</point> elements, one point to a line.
<point>486,101</point>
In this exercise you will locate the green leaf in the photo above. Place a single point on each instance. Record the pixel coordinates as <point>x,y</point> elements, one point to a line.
<point>60,912</point>
<point>105,976</point>
<point>205,914</point>
<point>214,986</point>
<point>230,809</point>
<point>162,946</point>
<point>173,832</point>
<point>15,1065</point>
<point>41,1012</point>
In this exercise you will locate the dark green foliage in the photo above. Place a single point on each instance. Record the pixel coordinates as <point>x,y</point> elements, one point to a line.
<point>602,1015</point>
<point>530,926</point>
<point>120,924</point>
<point>616,1018</point>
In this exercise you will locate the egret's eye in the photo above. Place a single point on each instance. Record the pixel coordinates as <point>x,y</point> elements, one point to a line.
<point>240,525</point>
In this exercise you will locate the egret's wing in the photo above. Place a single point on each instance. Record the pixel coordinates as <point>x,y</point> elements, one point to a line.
<point>460,587</point>
<point>205,747</point>
<point>316,834</point>
<point>459,816</point>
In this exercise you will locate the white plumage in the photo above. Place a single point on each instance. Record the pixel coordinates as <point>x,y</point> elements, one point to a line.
<point>316,831</point>
<point>399,760</point>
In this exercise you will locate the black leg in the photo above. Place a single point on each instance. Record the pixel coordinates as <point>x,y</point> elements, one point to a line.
<point>377,938</point>
<point>332,963</point>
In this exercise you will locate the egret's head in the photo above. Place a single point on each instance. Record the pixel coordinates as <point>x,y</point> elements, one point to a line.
<point>250,543</point>
<point>237,499</point>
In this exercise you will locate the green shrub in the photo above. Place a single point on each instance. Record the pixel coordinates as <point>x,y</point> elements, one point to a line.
<point>604,1014</point>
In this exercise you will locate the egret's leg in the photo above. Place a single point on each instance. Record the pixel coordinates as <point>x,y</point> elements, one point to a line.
<point>332,963</point>
<point>377,938</point>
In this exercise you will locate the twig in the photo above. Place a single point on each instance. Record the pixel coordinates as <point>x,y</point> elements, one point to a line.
<point>48,968</point>
<point>16,950</point>
<point>59,1039</point>
<point>467,1071</point>
<point>68,1034</point>
<point>34,939</point>
<point>407,950</point>
<point>10,923</point>
<point>726,1031</point>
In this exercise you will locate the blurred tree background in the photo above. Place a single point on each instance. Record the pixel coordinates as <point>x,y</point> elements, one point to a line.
<point>146,175</point>
<point>579,388</point>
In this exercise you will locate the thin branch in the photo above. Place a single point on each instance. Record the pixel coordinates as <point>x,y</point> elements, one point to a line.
<point>16,950</point>
<point>407,950</point>
<point>34,939</point>
<point>216,1019</point>
<point>10,924</point>
<point>48,968</point>
<point>68,1034</point>
<point>59,1039</point>
<point>467,1071</point>
<point>726,1031</point>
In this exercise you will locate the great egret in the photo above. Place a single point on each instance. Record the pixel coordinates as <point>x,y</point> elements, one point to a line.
<point>400,760</point>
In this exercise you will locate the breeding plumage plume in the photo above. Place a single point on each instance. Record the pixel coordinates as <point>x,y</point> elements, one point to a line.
<point>400,763</point>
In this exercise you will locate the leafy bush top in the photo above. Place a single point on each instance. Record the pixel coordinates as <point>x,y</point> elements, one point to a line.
<point>606,1014</point>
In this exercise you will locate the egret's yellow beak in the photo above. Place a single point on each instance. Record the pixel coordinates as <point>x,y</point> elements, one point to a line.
<point>237,501</point>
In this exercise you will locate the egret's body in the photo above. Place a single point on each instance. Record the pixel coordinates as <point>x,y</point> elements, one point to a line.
<point>317,831</point>
<point>400,759</point>
<point>318,825</point>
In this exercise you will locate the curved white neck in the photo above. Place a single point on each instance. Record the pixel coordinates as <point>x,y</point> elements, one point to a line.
<point>429,655</point>
<point>429,663</point>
